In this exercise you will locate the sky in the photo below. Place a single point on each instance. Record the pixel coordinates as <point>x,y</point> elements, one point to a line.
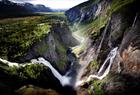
<point>54,4</point>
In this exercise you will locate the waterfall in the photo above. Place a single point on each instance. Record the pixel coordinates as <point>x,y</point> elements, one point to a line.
<point>135,19</point>
<point>64,80</point>
<point>104,33</point>
<point>111,56</point>
<point>84,65</point>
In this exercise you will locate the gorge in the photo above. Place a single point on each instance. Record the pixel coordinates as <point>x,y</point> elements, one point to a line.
<point>91,49</point>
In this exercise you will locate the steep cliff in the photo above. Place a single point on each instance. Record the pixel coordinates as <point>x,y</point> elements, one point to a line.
<point>108,24</point>
<point>24,39</point>
<point>108,53</point>
<point>54,46</point>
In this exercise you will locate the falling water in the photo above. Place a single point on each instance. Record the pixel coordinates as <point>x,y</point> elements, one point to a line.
<point>10,64</point>
<point>104,33</point>
<point>111,56</point>
<point>84,63</point>
<point>64,80</point>
<point>135,19</point>
<point>14,64</point>
<point>90,57</point>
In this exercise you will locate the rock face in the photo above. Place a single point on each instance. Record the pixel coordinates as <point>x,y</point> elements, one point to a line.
<point>82,13</point>
<point>123,18</point>
<point>54,46</point>
<point>40,37</point>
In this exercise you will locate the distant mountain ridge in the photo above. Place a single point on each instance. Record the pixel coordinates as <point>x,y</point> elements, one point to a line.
<point>8,8</point>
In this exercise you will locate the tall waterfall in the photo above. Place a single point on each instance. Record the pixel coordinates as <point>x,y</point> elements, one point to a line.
<point>64,80</point>
<point>111,56</point>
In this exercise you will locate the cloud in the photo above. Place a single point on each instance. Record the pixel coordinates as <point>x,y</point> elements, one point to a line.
<point>55,4</point>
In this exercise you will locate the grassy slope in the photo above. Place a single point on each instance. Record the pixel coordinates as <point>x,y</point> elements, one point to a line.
<point>101,20</point>
<point>18,34</point>
<point>92,28</point>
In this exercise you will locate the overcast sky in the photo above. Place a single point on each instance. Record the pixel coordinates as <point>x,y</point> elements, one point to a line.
<point>55,4</point>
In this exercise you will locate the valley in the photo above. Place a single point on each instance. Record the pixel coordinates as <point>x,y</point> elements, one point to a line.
<point>90,49</point>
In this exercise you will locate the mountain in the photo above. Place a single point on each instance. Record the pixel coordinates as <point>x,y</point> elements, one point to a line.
<point>42,53</point>
<point>8,8</point>
<point>112,29</point>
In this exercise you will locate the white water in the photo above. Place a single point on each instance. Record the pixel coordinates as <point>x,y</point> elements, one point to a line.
<point>111,56</point>
<point>77,37</point>
<point>135,19</point>
<point>104,33</point>
<point>13,64</point>
<point>84,63</point>
<point>10,64</point>
<point>90,57</point>
<point>64,80</point>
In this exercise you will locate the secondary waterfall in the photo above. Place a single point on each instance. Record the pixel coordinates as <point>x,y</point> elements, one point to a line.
<point>111,56</point>
<point>104,34</point>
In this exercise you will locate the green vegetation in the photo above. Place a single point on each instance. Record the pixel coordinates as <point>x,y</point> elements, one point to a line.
<point>17,35</point>
<point>118,4</point>
<point>61,51</point>
<point>79,49</point>
<point>100,21</point>
<point>93,28</point>
<point>43,48</point>
<point>97,89</point>
<point>94,65</point>
<point>27,72</point>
